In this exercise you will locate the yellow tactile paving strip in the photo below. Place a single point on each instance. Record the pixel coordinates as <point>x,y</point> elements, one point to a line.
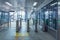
<point>22,34</point>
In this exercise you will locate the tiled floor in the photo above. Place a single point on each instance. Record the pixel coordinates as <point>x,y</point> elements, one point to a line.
<point>10,34</point>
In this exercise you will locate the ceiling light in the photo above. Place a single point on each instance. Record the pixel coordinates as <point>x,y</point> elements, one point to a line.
<point>58,3</point>
<point>54,4</point>
<point>8,3</point>
<point>35,3</point>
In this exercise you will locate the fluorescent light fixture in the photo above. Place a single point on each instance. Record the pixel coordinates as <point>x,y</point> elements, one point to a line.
<point>54,4</point>
<point>35,3</point>
<point>58,3</point>
<point>0,13</point>
<point>8,3</point>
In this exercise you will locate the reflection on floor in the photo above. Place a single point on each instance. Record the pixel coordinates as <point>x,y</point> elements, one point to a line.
<point>10,34</point>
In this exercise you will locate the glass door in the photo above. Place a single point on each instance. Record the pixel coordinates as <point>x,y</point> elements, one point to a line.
<point>12,22</point>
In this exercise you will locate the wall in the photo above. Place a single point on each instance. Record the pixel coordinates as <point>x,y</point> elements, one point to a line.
<point>58,31</point>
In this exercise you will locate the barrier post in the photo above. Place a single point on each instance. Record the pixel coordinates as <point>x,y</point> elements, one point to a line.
<point>28,25</point>
<point>36,26</point>
<point>17,26</point>
<point>20,23</point>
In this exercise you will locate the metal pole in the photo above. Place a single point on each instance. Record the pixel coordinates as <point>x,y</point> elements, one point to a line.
<point>17,26</point>
<point>33,21</point>
<point>20,23</point>
<point>36,26</point>
<point>28,25</point>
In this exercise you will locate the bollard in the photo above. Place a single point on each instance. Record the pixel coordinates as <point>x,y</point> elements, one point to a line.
<point>39,21</point>
<point>33,21</point>
<point>28,25</point>
<point>36,26</point>
<point>17,26</point>
<point>20,23</point>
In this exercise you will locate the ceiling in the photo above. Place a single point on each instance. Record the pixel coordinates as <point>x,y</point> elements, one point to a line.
<point>29,5</point>
<point>18,5</point>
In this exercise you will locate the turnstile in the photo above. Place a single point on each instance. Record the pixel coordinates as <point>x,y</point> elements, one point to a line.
<point>36,26</point>
<point>28,26</point>
<point>18,26</point>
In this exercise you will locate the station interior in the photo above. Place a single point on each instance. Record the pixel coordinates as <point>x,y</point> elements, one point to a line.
<point>29,19</point>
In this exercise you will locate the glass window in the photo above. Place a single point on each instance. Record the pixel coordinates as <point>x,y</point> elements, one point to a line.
<point>51,14</point>
<point>0,13</point>
<point>6,13</point>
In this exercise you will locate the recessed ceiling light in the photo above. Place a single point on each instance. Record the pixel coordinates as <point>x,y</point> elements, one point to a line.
<point>35,3</point>
<point>8,3</point>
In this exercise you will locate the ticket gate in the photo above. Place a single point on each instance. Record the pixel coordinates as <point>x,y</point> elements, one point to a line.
<point>28,26</point>
<point>36,26</point>
<point>18,25</point>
